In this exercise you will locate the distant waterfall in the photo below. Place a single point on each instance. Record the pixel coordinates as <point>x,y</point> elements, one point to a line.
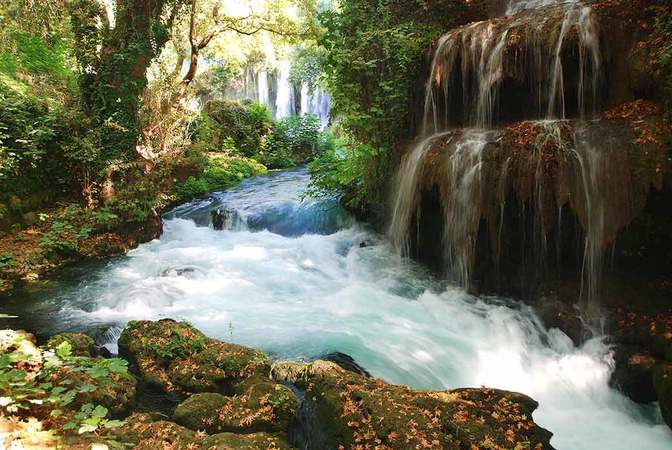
<point>273,88</point>
<point>284,102</point>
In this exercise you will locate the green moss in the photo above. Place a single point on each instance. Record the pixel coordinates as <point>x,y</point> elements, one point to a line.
<point>355,410</point>
<point>254,441</point>
<point>82,345</point>
<point>179,359</point>
<point>264,406</point>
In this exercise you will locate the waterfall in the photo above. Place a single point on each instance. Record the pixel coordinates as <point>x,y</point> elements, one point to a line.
<point>284,103</point>
<point>263,95</point>
<point>478,58</point>
<point>528,50</point>
<point>317,103</point>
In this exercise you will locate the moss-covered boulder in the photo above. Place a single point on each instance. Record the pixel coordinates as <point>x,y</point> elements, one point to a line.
<point>181,360</point>
<point>145,432</point>
<point>368,413</point>
<point>82,345</point>
<point>662,381</point>
<point>254,441</point>
<point>265,406</point>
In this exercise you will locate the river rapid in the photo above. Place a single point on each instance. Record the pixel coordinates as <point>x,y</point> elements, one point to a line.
<point>300,279</point>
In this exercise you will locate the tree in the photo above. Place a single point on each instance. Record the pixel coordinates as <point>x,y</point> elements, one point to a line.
<point>206,22</point>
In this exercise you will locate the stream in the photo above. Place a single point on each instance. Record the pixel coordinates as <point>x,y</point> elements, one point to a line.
<point>300,279</point>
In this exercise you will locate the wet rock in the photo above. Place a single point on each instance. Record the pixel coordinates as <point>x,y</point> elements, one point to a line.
<point>254,441</point>
<point>633,374</point>
<point>264,406</point>
<point>662,381</point>
<point>181,360</point>
<point>354,410</point>
<point>346,362</point>
<point>565,317</point>
<point>82,345</point>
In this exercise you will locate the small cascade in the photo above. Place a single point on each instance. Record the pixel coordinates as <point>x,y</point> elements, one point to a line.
<point>530,53</point>
<point>511,127</point>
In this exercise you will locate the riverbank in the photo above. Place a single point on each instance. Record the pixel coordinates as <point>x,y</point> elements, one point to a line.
<point>53,239</point>
<point>228,396</point>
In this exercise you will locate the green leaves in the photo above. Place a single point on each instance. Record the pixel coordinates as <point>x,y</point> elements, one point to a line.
<point>64,350</point>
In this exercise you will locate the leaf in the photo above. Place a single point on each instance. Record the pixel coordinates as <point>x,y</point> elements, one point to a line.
<point>64,349</point>
<point>99,411</point>
<point>56,413</point>
<point>87,429</point>
<point>58,390</point>
<point>113,423</point>
<point>98,372</point>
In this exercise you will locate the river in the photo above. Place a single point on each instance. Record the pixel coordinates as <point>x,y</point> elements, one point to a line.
<point>301,279</point>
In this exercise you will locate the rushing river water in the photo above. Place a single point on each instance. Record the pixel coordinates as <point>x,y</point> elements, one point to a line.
<point>300,279</point>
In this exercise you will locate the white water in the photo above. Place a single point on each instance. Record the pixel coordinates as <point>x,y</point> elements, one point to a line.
<point>311,294</point>
<point>284,103</point>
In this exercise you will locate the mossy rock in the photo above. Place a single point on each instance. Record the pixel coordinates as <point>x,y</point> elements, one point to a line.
<point>82,345</point>
<point>144,432</point>
<point>254,441</point>
<point>115,391</point>
<point>357,411</point>
<point>179,359</point>
<point>265,406</point>
<point>662,381</point>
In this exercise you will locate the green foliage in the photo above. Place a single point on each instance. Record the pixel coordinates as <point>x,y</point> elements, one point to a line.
<point>307,62</point>
<point>294,140</point>
<point>23,391</point>
<point>662,35</point>
<point>220,173</point>
<point>231,126</point>
<point>341,171</point>
<point>177,346</point>
<point>372,67</point>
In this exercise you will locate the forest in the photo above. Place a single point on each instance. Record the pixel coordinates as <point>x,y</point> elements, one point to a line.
<point>336,224</point>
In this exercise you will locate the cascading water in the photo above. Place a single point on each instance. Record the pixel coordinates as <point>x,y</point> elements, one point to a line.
<point>292,278</point>
<point>284,104</point>
<point>527,51</point>
<point>316,102</point>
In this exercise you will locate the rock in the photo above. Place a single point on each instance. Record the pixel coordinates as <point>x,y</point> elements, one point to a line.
<point>555,313</point>
<point>633,374</point>
<point>662,381</point>
<point>144,432</point>
<point>346,362</point>
<point>265,406</point>
<point>179,359</point>
<point>354,410</point>
<point>82,345</point>
<point>254,441</point>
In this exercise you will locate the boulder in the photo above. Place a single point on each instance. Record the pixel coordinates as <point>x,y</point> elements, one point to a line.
<point>181,360</point>
<point>662,380</point>
<point>265,406</point>
<point>356,411</point>
<point>254,441</point>
<point>82,345</point>
<point>145,432</point>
